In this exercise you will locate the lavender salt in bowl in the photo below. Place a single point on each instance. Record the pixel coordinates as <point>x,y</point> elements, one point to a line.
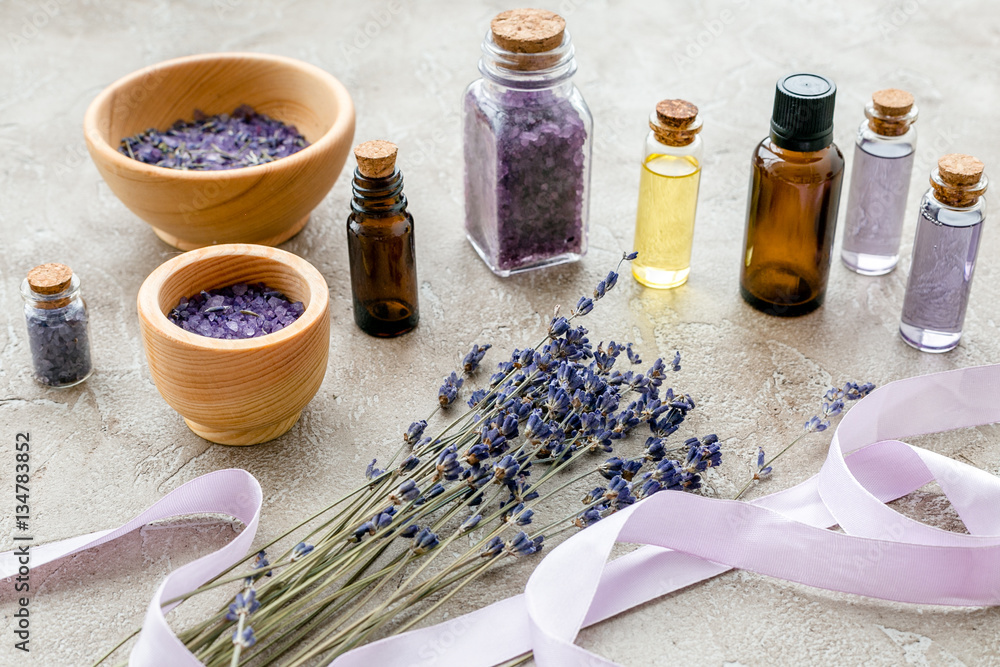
<point>265,203</point>
<point>245,390</point>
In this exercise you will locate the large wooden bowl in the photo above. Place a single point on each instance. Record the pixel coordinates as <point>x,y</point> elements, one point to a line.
<point>236,392</point>
<point>264,204</point>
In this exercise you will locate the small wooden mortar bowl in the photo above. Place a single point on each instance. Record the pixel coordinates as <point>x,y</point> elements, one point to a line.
<point>236,392</point>
<point>265,204</point>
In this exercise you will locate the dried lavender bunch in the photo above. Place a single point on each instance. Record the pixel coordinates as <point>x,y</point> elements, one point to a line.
<point>833,406</point>
<point>225,141</point>
<point>559,408</point>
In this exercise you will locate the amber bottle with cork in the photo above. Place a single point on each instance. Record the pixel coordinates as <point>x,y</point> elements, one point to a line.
<point>380,244</point>
<point>795,182</point>
<point>668,195</point>
<point>949,230</point>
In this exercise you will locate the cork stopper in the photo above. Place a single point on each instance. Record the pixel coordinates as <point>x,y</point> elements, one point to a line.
<point>958,180</point>
<point>376,159</point>
<point>49,278</point>
<point>892,102</point>
<point>891,112</point>
<point>676,113</point>
<point>675,122</point>
<point>528,30</point>
<point>958,170</point>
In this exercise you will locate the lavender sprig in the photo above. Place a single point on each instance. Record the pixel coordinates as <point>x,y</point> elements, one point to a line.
<point>483,478</point>
<point>832,406</point>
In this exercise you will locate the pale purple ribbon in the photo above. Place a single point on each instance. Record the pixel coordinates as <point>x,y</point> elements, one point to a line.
<point>690,538</point>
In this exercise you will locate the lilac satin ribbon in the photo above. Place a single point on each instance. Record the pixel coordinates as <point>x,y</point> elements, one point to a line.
<point>690,538</point>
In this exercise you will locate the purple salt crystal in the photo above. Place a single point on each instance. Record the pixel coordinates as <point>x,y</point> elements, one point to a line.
<point>526,177</point>
<point>60,345</point>
<point>236,312</point>
<point>226,141</point>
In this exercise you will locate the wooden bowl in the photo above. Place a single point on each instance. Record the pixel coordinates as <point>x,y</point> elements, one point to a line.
<point>236,392</point>
<point>265,204</point>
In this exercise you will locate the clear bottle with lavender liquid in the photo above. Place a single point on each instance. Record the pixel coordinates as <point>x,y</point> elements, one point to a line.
<point>949,231</point>
<point>880,183</point>
<point>527,144</point>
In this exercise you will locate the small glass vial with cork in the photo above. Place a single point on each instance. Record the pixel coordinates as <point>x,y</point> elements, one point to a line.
<point>380,245</point>
<point>668,195</point>
<point>949,230</point>
<point>527,146</point>
<point>880,183</point>
<point>795,178</point>
<point>57,319</point>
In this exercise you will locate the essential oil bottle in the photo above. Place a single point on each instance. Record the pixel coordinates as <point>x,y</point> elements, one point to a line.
<point>949,230</point>
<point>668,195</point>
<point>380,244</point>
<point>880,183</point>
<point>795,179</point>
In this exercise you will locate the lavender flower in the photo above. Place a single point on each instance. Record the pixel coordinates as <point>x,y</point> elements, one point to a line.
<point>588,518</point>
<point>633,356</point>
<point>522,545</point>
<point>583,306</point>
<point>371,472</point>
<point>492,548</point>
<point>246,639</point>
<point>424,541</point>
<point>471,523</point>
<point>415,432</point>
<point>762,472</point>
<point>406,492</point>
<point>244,605</point>
<point>449,390</point>
<point>472,359</point>
<point>301,550</point>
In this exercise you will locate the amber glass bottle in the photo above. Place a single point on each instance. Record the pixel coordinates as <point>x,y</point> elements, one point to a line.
<point>380,245</point>
<point>795,181</point>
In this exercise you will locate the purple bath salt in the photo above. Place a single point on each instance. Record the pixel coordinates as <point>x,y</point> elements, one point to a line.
<point>225,141</point>
<point>526,179</point>
<point>235,312</point>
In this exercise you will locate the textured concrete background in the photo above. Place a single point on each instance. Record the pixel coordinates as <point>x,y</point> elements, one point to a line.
<point>107,449</point>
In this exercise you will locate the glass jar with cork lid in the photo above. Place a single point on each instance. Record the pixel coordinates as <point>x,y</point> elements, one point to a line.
<point>527,145</point>
<point>668,195</point>
<point>949,230</point>
<point>57,320</point>
<point>880,183</point>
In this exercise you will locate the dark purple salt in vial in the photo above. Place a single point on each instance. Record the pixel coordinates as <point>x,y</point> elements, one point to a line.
<point>527,147</point>
<point>236,312</point>
<point>243,138</point>
<point>880,183</point>
<point>944,255</point>
<point>56,318</point>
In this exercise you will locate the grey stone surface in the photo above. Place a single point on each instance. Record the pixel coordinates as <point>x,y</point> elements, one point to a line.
<point>109,448</point>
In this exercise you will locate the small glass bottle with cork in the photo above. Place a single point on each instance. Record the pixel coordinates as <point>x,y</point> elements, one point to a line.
<point>795,179</point>
<point>949,230</point>
<point>668,195</point>
<point>380,244</point>
<point>527,145</point>
<point>880,183</point>
<point>57,320</point>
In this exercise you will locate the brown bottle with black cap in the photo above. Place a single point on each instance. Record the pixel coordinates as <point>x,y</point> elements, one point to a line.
<point>795,181</point>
